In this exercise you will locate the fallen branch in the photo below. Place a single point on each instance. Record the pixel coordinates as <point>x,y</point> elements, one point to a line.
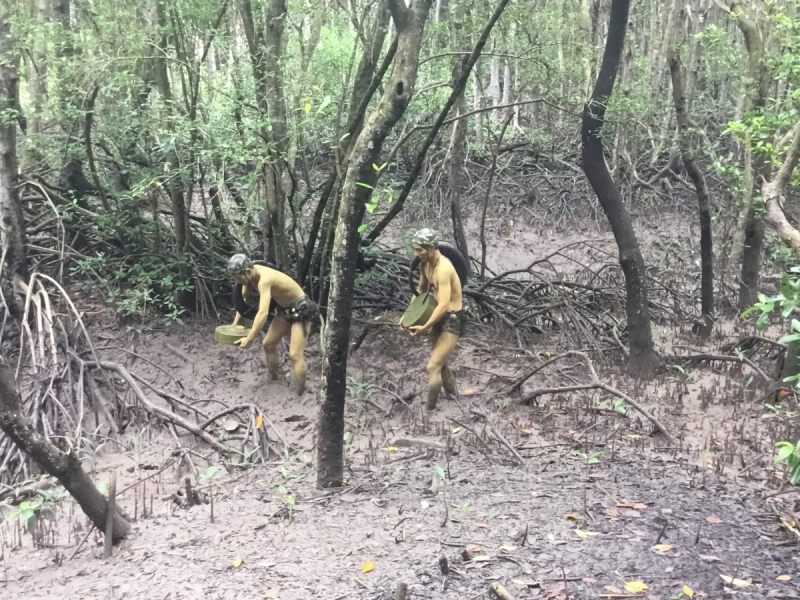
<point>595,383</point>
<point>722,358</point>
<point>162,412</point>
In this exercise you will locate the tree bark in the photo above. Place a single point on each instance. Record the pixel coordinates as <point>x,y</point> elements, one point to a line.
<point>643,360</point>
<point>64,466</point>
<point>12,232</point>
<point>687,146</point>
<point>366,151</point>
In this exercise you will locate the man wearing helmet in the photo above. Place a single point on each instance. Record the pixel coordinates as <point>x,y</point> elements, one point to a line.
<point>294,315</point>
<point>447,322</point>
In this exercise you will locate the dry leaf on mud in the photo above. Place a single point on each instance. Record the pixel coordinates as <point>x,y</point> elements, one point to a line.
<point>527,431</point>
<point>709,557</point>
<point>468,391</point>
<point>455,430</point>
<point>663,547</point>
<point>713,519</point>
<point>585,534</point>
<point>634,587</point>
<point>507,548</point>
<point>688,591</point>
<point>784,577</point>
<point>237,562</point>
<point>230,425</point>
<point>574,517</point>
<point>481,558</point>
<point>391,448</point>
<point>612,589</point>
<point>272,592</point>
<point>737,583</point>
<point>259,420</point>
<point>482,525</point>
<point>368,566</point>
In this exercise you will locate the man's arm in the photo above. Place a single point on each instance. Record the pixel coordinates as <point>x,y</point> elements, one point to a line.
<point>424,284</point>
<point>442,283</point>
<point>264,289</point>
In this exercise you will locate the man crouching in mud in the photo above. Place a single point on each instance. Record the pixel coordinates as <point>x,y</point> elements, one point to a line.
<point>295,314</point>
<point>447,322</point>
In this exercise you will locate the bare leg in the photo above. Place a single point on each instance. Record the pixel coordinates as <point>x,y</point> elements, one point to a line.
<point>277,329</point>
<point>297,348</point>
<point>443,346</point>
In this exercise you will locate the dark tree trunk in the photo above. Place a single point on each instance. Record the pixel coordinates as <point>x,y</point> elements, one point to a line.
<point>66,467</point>
<point>365,152</point>
<point>685,133</point>
<point>643,360</point>
<point>12,232</point>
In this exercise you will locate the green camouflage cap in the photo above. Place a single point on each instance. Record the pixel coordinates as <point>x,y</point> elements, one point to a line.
<point>425,237</point>
<point>238,264</point>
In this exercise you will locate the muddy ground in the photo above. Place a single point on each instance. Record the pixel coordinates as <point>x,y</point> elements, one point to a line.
<point>579,518</point>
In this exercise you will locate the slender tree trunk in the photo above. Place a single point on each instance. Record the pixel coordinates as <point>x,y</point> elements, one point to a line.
<point>457,155</point>
<point>366,151</point>
<point>64,466</point>
<point>584,48</point>
<point>685,134</point>
<point>755,98</point>
<point>643,360</point>
<point>37,85</point>
<point>12,221</point>
<point>174,183</point>
<point>265,42</point>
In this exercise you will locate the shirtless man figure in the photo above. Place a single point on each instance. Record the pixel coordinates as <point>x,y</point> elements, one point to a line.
<point>447,322</point>
<point>294,315</point>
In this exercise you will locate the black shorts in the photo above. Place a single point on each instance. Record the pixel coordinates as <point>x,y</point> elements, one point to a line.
<point>302,311</point>
<point>454,321</point>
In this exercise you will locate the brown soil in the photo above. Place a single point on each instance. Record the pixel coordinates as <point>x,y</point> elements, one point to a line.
<point>705,498</point>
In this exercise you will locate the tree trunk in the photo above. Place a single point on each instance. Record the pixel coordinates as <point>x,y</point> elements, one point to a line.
<point>12,232</point>
<point>643,360</point>
<point>66,467</point>
<point>366,151</point>
<point>755,98</point>
<point>772,191</point>
<point>37,86</point>
<point>687,153</point>
<point>265,42</point>
<point>457,155</point>
<point>174,183</point>
<point>583,48</point>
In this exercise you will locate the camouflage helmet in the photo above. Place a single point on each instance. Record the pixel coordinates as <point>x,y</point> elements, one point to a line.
<point>425,237</point>
<point>238,264</point>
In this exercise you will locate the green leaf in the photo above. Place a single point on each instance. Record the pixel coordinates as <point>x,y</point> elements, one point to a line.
<point>366,185</point>
<point>439,470</point>
<point>362,228</point>
<point>786,450</point>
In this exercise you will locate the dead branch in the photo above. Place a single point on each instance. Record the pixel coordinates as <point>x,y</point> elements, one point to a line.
<point>152,408</point>
<point>595,383</point>
<point>721,358</point>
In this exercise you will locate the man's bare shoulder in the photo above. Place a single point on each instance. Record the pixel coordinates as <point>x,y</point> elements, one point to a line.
<point>444,269</point>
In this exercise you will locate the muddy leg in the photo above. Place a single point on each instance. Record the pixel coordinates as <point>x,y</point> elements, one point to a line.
<point>443,346</point>
<point>448,381</point>
<point>277,329</point>
<point>297,348</point>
